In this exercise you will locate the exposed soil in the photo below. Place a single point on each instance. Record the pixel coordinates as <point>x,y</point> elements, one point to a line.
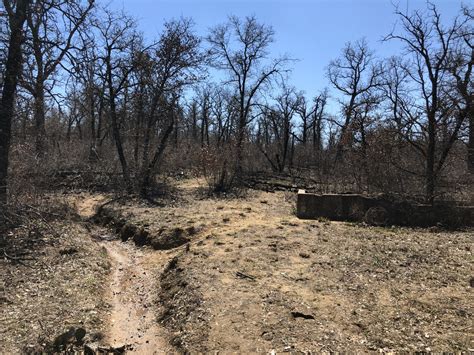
<point>132,321</point>
<point>67,274</point>
<point>252,278</point>
<point>263,280</point>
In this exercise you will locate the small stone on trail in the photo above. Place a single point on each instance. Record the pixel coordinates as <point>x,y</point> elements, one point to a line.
<point>267,336</point>
<point>297,314</point>
<point>80,334</point>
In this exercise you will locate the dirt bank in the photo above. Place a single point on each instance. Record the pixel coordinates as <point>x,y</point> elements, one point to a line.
<point>269,281</point>
<point>252,278</point>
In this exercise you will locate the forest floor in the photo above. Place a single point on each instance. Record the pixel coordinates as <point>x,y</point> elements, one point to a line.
<point>251,278</point>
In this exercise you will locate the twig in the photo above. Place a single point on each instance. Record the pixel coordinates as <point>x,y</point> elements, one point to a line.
<point>39,212</point>
<point>245,276</point>
<point>16,259</point>
<point>20,261</point>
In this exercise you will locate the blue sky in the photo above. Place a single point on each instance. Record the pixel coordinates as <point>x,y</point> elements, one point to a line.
<point>313,31</point>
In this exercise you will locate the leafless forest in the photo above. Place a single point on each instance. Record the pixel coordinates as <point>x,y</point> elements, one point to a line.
<point>92,111</point>
<point>85,92</point>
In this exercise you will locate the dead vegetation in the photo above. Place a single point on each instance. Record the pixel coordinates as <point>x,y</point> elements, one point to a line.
<point>254,278</point>
<point>52,279</point>
<point>236,273</point>
<point>109,244</point>
<point>183,310</point>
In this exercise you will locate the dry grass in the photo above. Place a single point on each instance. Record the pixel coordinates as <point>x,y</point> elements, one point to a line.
<point>57,283</point>
<point>254,278</point>
<point>367,288</point>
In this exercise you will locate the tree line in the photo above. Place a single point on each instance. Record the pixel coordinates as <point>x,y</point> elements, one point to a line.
<point>79,77</point>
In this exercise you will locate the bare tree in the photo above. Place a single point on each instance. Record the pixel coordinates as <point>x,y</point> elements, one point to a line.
<point>312,119</point>
<point>278,120</point>
<point>305,112</point>
<point>118,40</point>
<point>354,75</point>
<point>85,74</point>
<point>429,45</point>
<point>174,63</point>
<point>52,26</point>
<point>223,110</point>
<point>16,18</point>
<point>204,93</point>
<point>240,47</point>
<point>461,66</point>
<point>396,92</point>
<point>192,115</point>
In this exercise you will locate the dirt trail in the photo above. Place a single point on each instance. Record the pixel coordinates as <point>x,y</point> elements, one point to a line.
<point>132,291</point>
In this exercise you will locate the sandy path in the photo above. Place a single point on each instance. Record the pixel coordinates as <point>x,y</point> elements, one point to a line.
<point>131,293</point>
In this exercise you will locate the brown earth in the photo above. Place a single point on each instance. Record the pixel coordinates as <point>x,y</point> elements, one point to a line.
<point>253,278</point>
<point>133,316</point>
<point>52,278</point>
<point>263,280</point>
<point>131,296</point>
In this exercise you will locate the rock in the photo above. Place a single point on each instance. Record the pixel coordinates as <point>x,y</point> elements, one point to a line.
<point>141,237</point>
<point>119,223</point>
<point>88,350</point>
<point>268,336</point>
<point>64,339</point>
<point>80,334</point>
<point>297,314</point>
<point>106,216</point>
<point>128,231</point>
<point>171,265</point>
<point>192,230</point>
<point>68,251</point>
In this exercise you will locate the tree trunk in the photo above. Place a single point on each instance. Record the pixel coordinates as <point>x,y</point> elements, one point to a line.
<point>146,144</point>
<point>12,71</point>
<point>116,132</point>
<point>286,142</point>
<point>119,146</point>
<point>430,160</point>
<point>346,135</point>
<point>304,136</point>
<point>69,128</point>
<point>194,123</point>
<point>239,149</point>
<point>136,146</point>
<point>470,154</point>
<point>39,116</point>
<point>150,168</point>
<point>92,114</point>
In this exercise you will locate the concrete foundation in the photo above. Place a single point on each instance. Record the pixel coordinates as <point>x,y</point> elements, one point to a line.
<point>353,207</point>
